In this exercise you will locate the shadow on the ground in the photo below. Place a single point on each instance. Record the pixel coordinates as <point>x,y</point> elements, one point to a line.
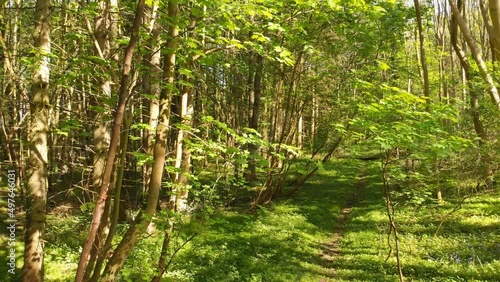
<point>288,240</point>
<point>281,242</point>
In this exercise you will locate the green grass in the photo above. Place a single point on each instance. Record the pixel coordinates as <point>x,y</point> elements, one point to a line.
<point>64,237</point>
<point>467,247</point>
<point>285,240</point>
<point>281,242</point>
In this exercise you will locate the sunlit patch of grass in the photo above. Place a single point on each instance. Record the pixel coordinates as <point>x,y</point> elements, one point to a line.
<point>467,247</point>
<point>61,263</point>
<point>64,236</point>
<point>279,242</point>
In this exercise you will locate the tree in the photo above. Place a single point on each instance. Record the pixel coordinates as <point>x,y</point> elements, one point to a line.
<point>476,54</point>
<point>38,157</point>
<point>423,57</point>
<point>113,146</point>
<point>494,7</point>
<point>464,63</point>
<point>105,32</point>
<point>142,221</point>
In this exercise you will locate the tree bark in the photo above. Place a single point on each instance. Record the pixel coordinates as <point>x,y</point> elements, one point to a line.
<point>494,7</point>
<point>255,112</point>
<point>183,156</point>
<point>38,149</point>
<point>492,37</point>
<point>117,198</point>
<point>474,101</point>
<point>104,34</point>
<point>151,87</point>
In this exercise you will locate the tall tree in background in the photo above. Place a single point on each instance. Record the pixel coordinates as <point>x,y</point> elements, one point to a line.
<point>476,54</point>
<point>38,149</point>
<point>255,82</point>
<point>465,66</point>
<point>423,57</point>
<point>105,32</point>
<point>151,86</point>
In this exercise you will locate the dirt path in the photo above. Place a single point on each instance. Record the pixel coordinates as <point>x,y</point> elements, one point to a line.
<point>331,249</point>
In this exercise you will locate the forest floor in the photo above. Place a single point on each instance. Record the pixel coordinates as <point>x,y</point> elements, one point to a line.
<point>334,229</point>
<point>331,250</point>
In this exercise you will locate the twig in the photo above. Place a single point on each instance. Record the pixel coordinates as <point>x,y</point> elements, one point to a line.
<point>456,208</point>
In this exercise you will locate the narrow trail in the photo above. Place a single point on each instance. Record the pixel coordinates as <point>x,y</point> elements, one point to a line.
<point>331,249</point>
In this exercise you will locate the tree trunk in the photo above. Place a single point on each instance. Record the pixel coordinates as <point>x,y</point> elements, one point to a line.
<point>494,7</point>
<point>423,59</point>
<point>113,146</point>
<point>117,198</point>
<point>151,87</point>
<point>38,150</point>
<point>474,101</point>
<point>178,199</point>
<point>476,54</point>
<point>300,126</point>
<point>105,32</point>
<point>183,156</point>
<point>493,38</point>
<point>254,117</point>
<point>314,120</point>
<point>104,23</point>
<point>131,236</point>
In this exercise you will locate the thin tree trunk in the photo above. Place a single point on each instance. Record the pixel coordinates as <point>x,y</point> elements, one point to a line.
<point>494,40</point>
<point>390,217</point>
<point>117,198</point>
<point>423,59</point>
<point>255,112</point>
<point>478,125</point>
<point>151,86</point>
<point>494,7</point>
<point>183,156</point>
<point>113,146</point>
<point>104,34</point>
<point>131,236</point>
<point>180,192</point>
<point>314,119</point>
<point>476,54</point>
<point>300,126</point>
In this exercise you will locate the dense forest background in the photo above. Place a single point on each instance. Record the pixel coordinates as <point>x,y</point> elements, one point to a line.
<point>232,140</point>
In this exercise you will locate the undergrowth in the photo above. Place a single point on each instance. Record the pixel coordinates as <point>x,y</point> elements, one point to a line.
<point>284,241</point>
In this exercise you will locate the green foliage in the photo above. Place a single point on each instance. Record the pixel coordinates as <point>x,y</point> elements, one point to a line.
<point>409,130</point>
<point>341,65</point>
